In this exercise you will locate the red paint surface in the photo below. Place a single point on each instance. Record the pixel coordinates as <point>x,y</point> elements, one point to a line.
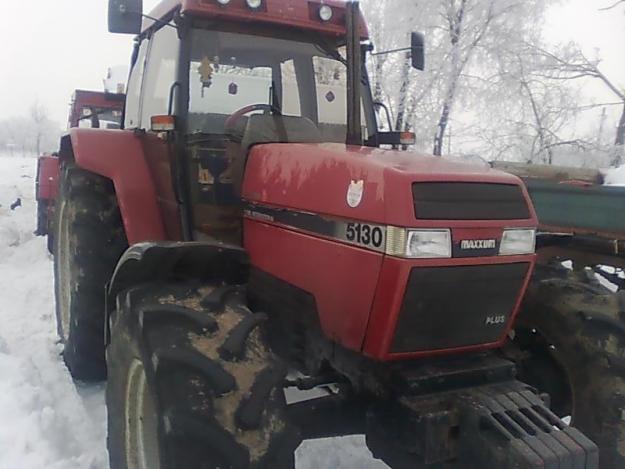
<point>119,156</point>
<point>342,278</point>
<point>158,157</point>
<point>315,178</point>
<point>47,178</point>
<point>390,293</point>
<point>301,14</point>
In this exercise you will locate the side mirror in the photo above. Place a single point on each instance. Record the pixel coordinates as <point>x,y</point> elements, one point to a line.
<point>418,51</point>
<point>125,16</point>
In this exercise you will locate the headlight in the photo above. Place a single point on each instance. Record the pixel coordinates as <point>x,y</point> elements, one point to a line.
<point>254,4</point>
<point>223,2</point>
<point>515,242</point>
<point>418,244</point>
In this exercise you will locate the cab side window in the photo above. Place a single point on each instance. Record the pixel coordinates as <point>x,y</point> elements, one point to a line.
<point>160,74</point>
<point>132,118</point>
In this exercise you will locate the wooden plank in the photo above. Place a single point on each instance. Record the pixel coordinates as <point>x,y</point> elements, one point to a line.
<point>554,173</point>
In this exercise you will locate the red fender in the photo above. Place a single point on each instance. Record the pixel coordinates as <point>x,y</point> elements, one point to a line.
<point>118,155</point>
<point>47,177</point>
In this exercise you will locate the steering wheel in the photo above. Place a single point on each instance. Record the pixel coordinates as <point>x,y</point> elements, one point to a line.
<point>237,115</point>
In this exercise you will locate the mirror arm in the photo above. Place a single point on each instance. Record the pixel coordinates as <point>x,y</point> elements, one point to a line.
<point>386,52</point>
<point>159,22</point>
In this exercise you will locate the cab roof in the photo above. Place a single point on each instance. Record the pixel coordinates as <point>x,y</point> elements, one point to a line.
<point>300,14</point>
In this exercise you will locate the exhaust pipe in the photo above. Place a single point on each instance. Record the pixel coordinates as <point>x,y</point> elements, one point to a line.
<point>354,74</point>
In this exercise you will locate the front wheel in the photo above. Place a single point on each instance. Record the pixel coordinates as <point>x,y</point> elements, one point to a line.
<point>570,343</point>
<point>192,383</point>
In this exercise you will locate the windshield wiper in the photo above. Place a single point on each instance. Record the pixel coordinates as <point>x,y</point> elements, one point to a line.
<point>324,46</point>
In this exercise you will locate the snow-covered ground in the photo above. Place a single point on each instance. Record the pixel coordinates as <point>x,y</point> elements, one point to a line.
<point>46,421</point>
<point>615,176</point>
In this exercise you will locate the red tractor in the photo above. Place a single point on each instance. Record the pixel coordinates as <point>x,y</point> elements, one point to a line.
<point>88,109</point>
<point>245,233</point>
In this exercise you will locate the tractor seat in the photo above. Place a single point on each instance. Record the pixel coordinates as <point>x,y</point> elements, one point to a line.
<point>279,129</point>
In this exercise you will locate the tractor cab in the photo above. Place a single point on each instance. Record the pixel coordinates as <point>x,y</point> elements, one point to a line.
<point>212,87</point>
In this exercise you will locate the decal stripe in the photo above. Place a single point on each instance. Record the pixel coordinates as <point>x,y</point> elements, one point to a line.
<point>366,235</point>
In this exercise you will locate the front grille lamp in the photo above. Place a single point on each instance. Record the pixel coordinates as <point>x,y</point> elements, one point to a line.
<point>418,244</point>
<point>518,242</point>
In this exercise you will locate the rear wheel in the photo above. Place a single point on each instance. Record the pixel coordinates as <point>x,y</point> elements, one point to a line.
<point>88,243</point>
<point>570,342</point>
<point>50,228</point>
<point>192,383</point>
<point>42,217</point>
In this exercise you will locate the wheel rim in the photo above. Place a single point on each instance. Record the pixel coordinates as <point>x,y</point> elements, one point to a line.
<point>63,256</point>
<point>141,423</point>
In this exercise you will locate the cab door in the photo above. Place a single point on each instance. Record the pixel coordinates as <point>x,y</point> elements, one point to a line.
<point>151,79</point>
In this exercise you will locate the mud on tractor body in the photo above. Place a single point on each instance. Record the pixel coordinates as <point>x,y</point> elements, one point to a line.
<point>252,237</point>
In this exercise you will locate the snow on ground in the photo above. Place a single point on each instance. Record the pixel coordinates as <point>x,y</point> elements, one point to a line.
<point>46,421</point>
<point>615,176</point>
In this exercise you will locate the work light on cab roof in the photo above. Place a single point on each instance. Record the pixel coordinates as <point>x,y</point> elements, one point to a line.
<point>325,12</point>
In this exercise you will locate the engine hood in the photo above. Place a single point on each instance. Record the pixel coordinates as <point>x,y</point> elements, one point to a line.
<point>358,183</point>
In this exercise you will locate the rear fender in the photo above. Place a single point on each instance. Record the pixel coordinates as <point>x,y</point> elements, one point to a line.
<point>47,177</point>
<point>118,155</point>
<point>171,260</point>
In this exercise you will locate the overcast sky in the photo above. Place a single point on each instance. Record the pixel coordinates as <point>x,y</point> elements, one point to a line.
<point>48,48</point>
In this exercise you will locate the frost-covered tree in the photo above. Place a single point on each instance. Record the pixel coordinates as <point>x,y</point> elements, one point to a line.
<point>462,38</point>
<point>29,135</point>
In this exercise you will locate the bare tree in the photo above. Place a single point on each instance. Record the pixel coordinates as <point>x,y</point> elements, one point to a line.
<point>480,73</point>
<point>574,65</point>
<point>614,5</point>
<point>468,24</point>
<point>29,135</point>
<point>40,121</point>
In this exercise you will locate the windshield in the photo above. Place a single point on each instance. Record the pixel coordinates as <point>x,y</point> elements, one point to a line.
<point>103,118</point>
<point>229,72</point>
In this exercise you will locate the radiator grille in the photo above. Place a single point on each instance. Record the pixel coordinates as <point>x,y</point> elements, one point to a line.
<point>469,201</point>
<point>459,306</point>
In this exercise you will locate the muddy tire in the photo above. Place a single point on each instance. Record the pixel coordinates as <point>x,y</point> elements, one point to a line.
<point>50,243</point>
<point>42,217</point>
<point>570,342</point>
<point>88,243</point>
<point>192,384</point>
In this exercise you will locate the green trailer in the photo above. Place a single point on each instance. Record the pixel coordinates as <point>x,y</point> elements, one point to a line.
<point>580,218</point>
